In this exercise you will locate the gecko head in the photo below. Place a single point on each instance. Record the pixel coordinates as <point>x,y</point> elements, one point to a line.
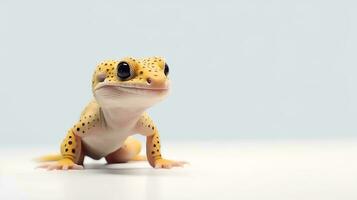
<point>131,82</point>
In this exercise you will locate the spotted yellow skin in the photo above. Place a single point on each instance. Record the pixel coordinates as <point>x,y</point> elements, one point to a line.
<point>144,68</point>
<point>117,112</point>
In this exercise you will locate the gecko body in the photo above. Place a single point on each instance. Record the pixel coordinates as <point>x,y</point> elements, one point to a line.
<point>123,90</point>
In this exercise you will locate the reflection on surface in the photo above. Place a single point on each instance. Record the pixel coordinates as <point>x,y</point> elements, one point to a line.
<point>219,170</point>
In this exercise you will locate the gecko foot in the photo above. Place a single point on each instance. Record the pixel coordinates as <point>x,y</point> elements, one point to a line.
<point>168,164</point>
<point>63,164</point>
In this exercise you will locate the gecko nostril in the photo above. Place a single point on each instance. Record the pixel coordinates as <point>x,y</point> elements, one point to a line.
<point>148,80</point>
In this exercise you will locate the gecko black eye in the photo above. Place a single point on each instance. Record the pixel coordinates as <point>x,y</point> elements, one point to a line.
<point>124,71</point>
<point>166,70</point>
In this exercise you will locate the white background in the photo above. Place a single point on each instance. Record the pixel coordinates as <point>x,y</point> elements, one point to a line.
<point>239,69</point>
<point>277,79</point>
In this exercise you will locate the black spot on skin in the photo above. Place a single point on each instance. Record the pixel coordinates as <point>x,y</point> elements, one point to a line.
<point>65,145</point>
<point>157,150</point>
<point>69,142</point>
<point>83,124</point>
<point>73,151</point>
<point>107,70</point>
<point>78,129</point>
<point>152,128</point>
<point>90,115</point>
<point>154,145</point>
<point>151,152</point>
<point>141,72</point>
<point>149,125</point>
<point>105,64</point>
<point>66,150</point>
<point>70,136</point>
<point>83,131</point>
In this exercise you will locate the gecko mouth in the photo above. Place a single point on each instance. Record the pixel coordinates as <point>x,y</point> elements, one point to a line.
<point>136,89</point>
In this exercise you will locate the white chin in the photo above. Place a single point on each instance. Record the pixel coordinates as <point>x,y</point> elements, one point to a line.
<point>128,97</point>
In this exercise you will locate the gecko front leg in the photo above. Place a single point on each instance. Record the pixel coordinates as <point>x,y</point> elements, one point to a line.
<point>153,145</point>
<point>72,154</point>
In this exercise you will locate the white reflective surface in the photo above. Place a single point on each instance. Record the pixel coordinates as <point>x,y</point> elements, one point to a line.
<point>218,170</point>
